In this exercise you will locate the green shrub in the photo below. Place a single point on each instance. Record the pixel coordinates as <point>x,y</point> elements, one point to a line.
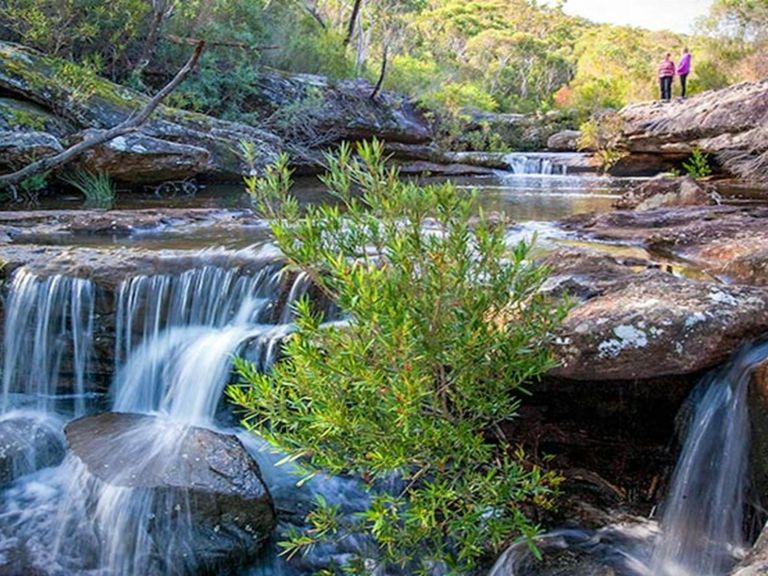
<point>445,328</point>
<point>601,135</point>
<point>698,166</point>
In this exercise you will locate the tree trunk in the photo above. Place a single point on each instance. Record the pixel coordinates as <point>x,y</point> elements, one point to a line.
<point>382,74</point>
<point>353,21</point>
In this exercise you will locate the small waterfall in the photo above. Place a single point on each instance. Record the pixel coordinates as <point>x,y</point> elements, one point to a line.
<point>521,163</point>
<point>703,520</point>
<point>48,338</point>
<point>701,532</point>
<point>190,327</point>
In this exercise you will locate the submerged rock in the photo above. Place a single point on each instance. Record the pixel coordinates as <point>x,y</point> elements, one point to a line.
<point>666,192</point>
<point>28,442</point>
<point>198,494</point>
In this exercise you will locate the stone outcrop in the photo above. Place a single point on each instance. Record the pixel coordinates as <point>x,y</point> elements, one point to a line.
<point>20,148</point>
<point>311,111</point>
<point>725,242</point>
<point>664,192</point>
<point>200,481</point>
<point>564,141</point>
<point>730,124</point>
<point>172,144</point>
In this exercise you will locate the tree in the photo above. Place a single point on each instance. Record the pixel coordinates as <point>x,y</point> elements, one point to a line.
<point>442,328</point>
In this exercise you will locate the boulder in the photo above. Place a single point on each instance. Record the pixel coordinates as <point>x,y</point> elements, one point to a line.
<point>205,489</point>
<point>564,141</point>
<point>729,124</point>
<point>311,111</point>
<point>756,562</point>
<point>31,77</point>
<point>654,324</point>
<point>141,158</point>
<point>20,148</point>
<point>21,116</point>
<point>28,442</point>
<point>665,192</point>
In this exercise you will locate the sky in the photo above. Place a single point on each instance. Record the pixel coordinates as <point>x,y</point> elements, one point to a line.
<point>675,15</point>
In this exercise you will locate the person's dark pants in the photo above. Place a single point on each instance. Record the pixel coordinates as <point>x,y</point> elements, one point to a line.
<point>666,87</point>
<point>683,83</point>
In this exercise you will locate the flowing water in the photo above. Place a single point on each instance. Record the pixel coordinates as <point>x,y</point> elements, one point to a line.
<point>164,344</point>
<point>701,529</point>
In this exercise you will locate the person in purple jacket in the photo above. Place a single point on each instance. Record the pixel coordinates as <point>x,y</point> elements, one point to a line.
<point>683,69</point>
<point>666,75</point>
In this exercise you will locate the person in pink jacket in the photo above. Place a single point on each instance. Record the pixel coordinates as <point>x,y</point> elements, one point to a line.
<point>666,75</point>
<point>683,69</point>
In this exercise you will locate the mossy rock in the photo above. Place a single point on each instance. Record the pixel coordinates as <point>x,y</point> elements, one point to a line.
<point>20,116</point>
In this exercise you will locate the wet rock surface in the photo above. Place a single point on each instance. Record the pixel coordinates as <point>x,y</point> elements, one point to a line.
<point>726,242</point>
<point>194,471</point>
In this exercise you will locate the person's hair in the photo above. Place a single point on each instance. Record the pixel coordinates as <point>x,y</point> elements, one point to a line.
<point>685,49</point>
<point>668,55</point>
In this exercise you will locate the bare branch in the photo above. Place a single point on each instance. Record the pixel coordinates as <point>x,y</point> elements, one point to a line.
<point>100,136</point>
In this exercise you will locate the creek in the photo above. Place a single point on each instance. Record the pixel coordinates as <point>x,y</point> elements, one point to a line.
<point>160,343</point>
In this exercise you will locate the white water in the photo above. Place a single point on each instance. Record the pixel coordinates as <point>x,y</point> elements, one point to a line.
<point>543,163</point>
<point>48,323</point>
<point>701,530</point>
<point>176,338</point>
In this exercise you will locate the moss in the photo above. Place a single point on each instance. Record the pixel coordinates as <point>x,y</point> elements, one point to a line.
<point>17,115</point>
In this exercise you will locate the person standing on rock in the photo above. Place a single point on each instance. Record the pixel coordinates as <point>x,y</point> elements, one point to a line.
<point>666,75</point>
<point>683,69</point>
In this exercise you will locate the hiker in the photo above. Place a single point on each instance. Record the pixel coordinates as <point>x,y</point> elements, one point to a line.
<point>683,69</point>
<point>666,74</point>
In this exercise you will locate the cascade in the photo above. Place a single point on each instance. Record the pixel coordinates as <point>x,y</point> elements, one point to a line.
<point>47,339</point>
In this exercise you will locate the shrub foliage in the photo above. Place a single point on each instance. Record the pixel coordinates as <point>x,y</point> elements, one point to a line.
<point>442,329</point>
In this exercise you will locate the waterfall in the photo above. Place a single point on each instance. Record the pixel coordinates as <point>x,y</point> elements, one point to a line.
<point>701,531</point>
<point>48,339</point>
<point>703,520</point>
<point>544,163</point>
<point>189,328</point>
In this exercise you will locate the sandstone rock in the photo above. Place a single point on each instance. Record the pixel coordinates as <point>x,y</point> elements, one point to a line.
<point>564,141</point>
<point>666,192</point>
<point>21,116</point>
<point>725,242</point>
<point>140,158</point>
<point>202,484</point>
<point>756,562</point>
<point>20,148</point>
<point>658,325</point>
<point>730,124</point>
<point>311,109</point>
<point>28,442</point>
<point>28,75</point>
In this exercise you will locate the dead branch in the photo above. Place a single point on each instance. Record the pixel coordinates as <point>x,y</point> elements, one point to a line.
<point>97,137</point>
<point>195,41</point>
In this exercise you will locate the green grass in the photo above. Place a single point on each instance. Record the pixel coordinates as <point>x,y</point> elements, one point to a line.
<point>97,187</point>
